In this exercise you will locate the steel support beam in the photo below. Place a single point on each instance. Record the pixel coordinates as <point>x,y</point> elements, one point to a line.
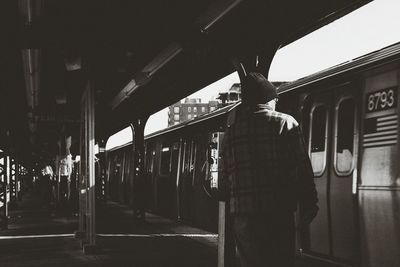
<point>82,179</point>
<point>139,197</point>
<point>87,225</point>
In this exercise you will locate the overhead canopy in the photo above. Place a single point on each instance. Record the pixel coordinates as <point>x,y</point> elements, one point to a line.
<point>140,56</point>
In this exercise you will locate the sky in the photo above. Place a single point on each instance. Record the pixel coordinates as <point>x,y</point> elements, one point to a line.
<point>369,28</point>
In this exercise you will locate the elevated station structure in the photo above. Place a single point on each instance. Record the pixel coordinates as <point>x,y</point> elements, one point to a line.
<point>74,72</point>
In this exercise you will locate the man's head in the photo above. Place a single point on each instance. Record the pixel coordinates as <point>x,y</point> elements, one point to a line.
<point>257,89</point>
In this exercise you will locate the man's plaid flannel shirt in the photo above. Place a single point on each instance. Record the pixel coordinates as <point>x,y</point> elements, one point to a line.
<point>265,164</point>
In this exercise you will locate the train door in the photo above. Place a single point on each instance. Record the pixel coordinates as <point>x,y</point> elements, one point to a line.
<point>174,209</point>
<point>151,186</point>
<point>121,177</point>
<point>332,146</point>
<point>343,180</point>
<point>128,177</point>
<point>185,181</point>
<point>116,172</point>
<point>163,182</point>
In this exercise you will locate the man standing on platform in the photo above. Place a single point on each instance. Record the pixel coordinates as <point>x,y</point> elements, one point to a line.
<point>268,173</point>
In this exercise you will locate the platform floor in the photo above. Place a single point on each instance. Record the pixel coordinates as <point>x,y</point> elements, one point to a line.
<point>37,236</point>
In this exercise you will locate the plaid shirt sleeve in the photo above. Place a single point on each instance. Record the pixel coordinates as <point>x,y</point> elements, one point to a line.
<point>306,192</point>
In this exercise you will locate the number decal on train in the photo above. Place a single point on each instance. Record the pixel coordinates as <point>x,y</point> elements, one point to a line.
<point>382,99</point>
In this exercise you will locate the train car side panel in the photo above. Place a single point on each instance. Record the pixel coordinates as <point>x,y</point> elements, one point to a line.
<point>379,181</point>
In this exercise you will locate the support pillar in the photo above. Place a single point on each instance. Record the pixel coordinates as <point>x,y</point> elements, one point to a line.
<point>139,181</point>
<point>3,190</point>
<point>87,214</point>
<point>181,157</point>
<point>13,181</point>
<point>101,173</point>
<point>226,240</point>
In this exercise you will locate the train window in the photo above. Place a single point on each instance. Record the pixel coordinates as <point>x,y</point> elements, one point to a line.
<point>174,158</point>
<point>305,124</point>
<point>318,139</point>
<point>186,163</point>
<point>203,109</point>
<point>165,160</point>
<point>344,136</point>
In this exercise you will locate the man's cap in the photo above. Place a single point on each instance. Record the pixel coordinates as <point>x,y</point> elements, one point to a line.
<point>257,89</point>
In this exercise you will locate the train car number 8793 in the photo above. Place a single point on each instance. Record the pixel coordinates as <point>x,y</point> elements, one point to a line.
<point>382,99</point>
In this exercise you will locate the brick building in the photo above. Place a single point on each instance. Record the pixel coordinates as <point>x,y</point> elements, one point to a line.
<point>188,109</point>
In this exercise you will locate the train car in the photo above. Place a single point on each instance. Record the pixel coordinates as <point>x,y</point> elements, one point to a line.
<point>349,117</point>
<point>177,168</point>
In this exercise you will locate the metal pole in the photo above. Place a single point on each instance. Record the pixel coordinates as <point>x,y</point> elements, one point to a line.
<point>17,174</point>
<point>178,176</point>
<point>226,243</point>
<point>82,171</point>
<point>90,142</point>
<point>139,179</point>
<point>8,172</point>
<point>221,234</point>
<point>3,191</point>
<point>13,181</point>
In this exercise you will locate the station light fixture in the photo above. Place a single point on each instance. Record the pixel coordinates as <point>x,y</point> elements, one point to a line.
<point>215,13</point>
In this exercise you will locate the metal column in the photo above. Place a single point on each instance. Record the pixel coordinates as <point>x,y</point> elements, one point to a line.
<point>101,169</point>
<point>181,157</point>
<point>87,172</point>
<point>139,179</point>
<point>13,181</point>
<point>3,190</point>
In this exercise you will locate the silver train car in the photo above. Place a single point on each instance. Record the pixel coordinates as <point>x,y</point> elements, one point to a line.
<point>349,116</point>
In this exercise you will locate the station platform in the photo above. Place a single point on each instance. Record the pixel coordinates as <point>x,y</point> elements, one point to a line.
<point>39,236</point>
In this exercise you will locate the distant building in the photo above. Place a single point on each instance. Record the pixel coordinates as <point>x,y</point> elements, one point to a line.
<point>189,109</point>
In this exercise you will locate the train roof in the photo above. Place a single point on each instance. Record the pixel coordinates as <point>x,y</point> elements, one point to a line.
<point>201,118</point>
<point>217,113</point>
<point>386,54</point>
